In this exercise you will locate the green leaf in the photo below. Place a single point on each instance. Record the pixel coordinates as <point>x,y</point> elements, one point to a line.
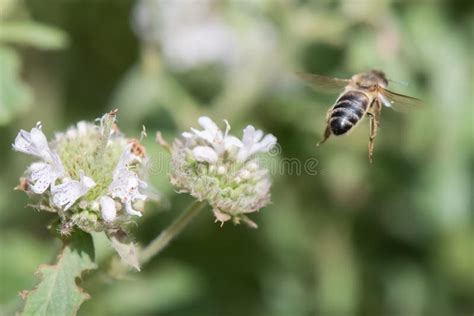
<point>31,33</point>
<point>57,293</point>
<point>15,96</point>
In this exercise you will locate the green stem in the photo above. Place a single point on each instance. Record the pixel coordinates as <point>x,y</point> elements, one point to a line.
<point>163,239</point>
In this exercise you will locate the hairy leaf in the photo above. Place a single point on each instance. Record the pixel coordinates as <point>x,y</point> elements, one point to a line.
<point>57,293</point>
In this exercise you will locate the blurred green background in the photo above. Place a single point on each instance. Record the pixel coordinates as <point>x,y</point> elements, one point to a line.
<point>392,238</point>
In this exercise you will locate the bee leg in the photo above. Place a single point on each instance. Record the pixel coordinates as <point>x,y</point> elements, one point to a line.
<point>327,133</point>
<point>374,115</point>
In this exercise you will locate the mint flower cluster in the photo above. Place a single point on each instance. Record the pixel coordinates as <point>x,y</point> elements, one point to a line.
<point>90,175</point>
<point>223,170</point>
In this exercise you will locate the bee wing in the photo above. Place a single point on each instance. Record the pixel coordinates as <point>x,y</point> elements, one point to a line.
<point>323,83</point>
<point>398,102</point>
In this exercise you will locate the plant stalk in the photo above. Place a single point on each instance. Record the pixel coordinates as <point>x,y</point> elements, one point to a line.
<point>163,239</point>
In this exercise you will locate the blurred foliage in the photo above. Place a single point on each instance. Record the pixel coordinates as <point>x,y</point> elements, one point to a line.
<point>392,238</point>
<point>17,29</point>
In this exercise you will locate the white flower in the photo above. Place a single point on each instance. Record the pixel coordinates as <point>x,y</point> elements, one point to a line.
<point>189,33</point>
<point>108,209</point>
<point>253,143</point>
<point>89,175</point>
<point>43,174</point>
<point>205,153</point>
<point>33,143</point>
<point>125,183</point>
<point>67,193</point>
<point>214,136</point>
<point>214,166</point>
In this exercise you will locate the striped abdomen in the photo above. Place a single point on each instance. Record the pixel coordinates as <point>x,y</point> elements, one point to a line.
<point>348,111</point>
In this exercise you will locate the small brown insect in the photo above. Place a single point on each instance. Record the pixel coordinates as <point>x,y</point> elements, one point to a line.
<point>363,94</point>
<point>137,148</point>
<point>22,186</point>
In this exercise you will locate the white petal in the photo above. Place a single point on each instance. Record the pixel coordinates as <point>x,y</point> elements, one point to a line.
<point>108,209</point>
<point>231,142</point>
<point>187,135</point>
<point>83,127</point>
<point>258,135</point>
<point>66,194</point>
<point>208,124</point>
<point>42,176</point>
<point>125,159</point>
<point>34,143</point>
<point>248,137</point>
<point>266,144</point>
<point>87,182</point>
<point>253,143</point>
<point>205,153</point>
<point>130,210</point>
<point>125,185</point>
<point>205,135</point>
<point>211,133</point>
<point>39,139</point>
<point>23,143</point>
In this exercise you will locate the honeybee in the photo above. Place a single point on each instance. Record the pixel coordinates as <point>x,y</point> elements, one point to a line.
<point>363,95</point>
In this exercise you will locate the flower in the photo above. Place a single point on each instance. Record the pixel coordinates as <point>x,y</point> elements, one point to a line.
<point>67,193</point>
<point>192,34</point>
<point>215,166</point>
<point>253,143</point>
<point>42,174</point>
<point>213,136</point>
<point>88,174</point>
<point>125,183</point>
<point>204,38</point>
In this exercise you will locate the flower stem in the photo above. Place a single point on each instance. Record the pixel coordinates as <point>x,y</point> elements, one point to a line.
<point>163,239</point>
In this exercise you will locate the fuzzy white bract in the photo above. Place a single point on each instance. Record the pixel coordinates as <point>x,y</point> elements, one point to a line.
<point>215,166</point>
<point>90,175</point>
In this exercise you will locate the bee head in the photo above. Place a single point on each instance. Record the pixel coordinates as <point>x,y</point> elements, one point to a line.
<point>370,80</point>
<point>379,76</point>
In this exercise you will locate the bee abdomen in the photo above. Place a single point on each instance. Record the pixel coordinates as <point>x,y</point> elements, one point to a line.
<point>347,111</point>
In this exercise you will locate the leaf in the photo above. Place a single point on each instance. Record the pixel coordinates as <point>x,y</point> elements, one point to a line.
<point>57,293</point>
<point>35,34</point>
<point>15,96</point>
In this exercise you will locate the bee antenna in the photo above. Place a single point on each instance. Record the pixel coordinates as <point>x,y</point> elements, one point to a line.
<point>403,83</point>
